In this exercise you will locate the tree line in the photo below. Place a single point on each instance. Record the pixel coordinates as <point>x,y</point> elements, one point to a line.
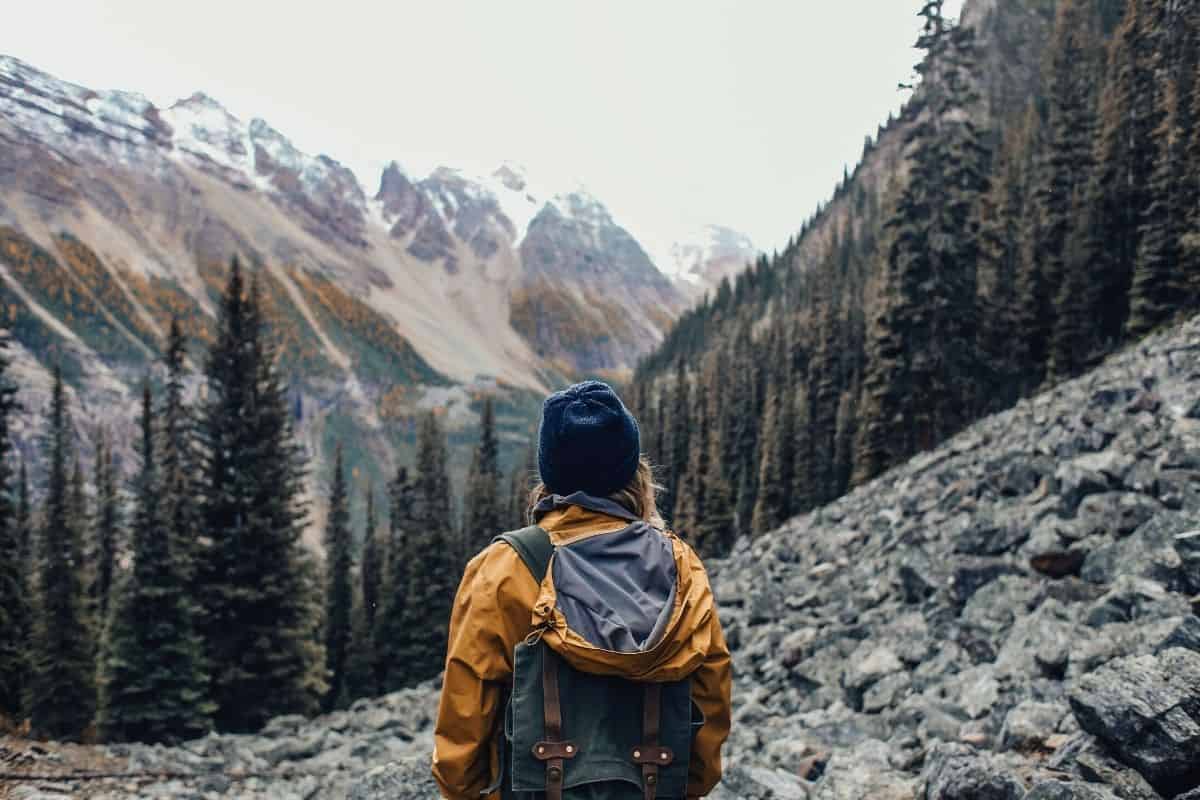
<point>182,599</point>
<point>1016,250</point>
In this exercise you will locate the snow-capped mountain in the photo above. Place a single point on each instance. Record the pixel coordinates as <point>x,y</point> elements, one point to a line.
<point>712,252</point>
<point>117,214</point>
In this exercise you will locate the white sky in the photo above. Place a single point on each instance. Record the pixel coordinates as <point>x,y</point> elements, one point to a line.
<point>675,113</point>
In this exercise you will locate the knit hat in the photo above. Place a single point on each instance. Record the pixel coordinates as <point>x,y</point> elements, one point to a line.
<point>588,441</point>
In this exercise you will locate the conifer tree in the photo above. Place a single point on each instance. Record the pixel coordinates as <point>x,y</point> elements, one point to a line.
<point>716,530</point>
<point>1159,285</point>
<point>433,572</point>
<point>922,381</point>
<point>690,425</point>
<point>484,516</point>
<point>1124,160</point>
<point>1057,320</point>
<point>258,584</point>
<point>180,459</point>
<point>770,504</point>
<point>360,658</point>
<point>106,526</point>
<point>339,591</point>
<point>678,443</point>
<point>1003,220</point>
<point>14,610</point>
<point>371,573</point>
<point>152,683</point>
<point>389,634</point>
<point>61,686</point>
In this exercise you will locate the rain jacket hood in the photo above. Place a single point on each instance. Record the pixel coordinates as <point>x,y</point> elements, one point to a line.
<point>633,602</point>
<point>620,598</point>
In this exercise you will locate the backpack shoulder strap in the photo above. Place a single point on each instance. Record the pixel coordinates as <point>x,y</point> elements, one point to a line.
<point>534,547</point>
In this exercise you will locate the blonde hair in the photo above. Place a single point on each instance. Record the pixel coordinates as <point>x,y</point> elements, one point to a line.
<point>640,496</point>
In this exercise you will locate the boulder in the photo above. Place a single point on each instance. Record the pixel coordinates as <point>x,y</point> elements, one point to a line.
<point>1146,709</point>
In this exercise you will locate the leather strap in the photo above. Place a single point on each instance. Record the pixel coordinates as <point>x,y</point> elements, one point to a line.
<point>554,748</point>
<point>648,754</point>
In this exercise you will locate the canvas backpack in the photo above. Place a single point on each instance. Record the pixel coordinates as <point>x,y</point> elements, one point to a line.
<point>571,735</point>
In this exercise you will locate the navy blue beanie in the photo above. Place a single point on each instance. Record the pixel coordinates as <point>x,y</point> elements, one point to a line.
<point>588,441</point>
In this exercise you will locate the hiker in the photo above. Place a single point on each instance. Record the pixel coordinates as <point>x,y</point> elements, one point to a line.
<point>585,657</point>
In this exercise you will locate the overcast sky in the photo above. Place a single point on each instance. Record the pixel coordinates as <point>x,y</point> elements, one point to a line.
<point>675,113</point>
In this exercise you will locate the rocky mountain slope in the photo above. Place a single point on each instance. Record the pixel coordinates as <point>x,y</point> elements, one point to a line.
<point>116,214</point>
<point>1011,615</point>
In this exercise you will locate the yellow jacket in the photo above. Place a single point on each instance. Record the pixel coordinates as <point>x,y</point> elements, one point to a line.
<point>499,603</point>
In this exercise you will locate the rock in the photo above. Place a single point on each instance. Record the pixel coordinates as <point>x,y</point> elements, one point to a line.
<point>987,536</point>
<point>1147,710</point>
<point>1077,480</point>
<point>409,779</point>
<point>1187,545</point>
<point>1030,724</point>
<point>1148,553</point>
<point>1098,767</point>
<point>870,666</point>
<point>975,573</point>
<point>1132,598</point>
<point>1069,790</point>
<point>1185,634</point>
<point>1113,514</point>
<point>864,771</point>
<point>759,783</point>
<point>1059,563</point>
<point>953,772</point>
<point>886,693</point>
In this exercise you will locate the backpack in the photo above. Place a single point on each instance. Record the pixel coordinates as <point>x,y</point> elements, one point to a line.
<point>571,735</point>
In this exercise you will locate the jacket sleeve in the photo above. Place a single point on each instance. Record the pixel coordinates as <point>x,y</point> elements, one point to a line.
<point>712,687</point>
<point>491,614</point>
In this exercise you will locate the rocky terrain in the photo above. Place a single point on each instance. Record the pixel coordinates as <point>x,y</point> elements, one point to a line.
<point>1012,615</point>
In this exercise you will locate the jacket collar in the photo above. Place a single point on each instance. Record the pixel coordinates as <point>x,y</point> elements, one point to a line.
<point>580,515</point>
<point>600,505</point>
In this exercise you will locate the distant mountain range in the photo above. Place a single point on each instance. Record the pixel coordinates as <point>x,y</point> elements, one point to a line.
<point>116,214</point>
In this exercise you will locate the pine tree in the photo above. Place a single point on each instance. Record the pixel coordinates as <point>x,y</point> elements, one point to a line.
<point>922,382</point>
<point>106,526</point>
<point>1003,274</point>
<point>152,683</point>
<point>389,634</point>
<point>1159,286</point>
<point>484,516</point>
<point>14,610</point>
<point>1061,329</point>
<point>371,573</point>
<point>180,460</point>
<point>433,572</point>
<point>258,584</point>
<point>770,506</point>
<point>24,530</point>
<point>61,688</point>
<point>716,530</point>
<point>678,444</point>
<point>1190,192</point>
<point>339,591</point>
<point>1124,160</point>
<point>360,658</point>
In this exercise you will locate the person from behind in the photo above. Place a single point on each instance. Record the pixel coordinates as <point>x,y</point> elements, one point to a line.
<point>585,657</point>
